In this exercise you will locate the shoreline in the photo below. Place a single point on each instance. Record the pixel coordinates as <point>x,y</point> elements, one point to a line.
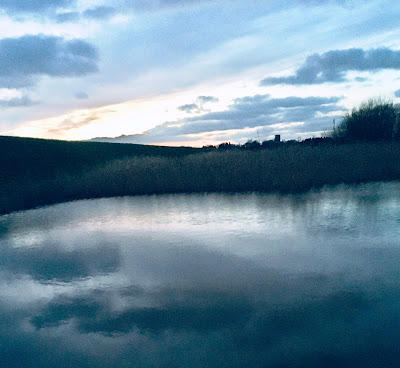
<point>286,169</point>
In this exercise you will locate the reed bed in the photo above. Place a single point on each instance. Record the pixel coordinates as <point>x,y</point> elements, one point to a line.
<point>283,169</point>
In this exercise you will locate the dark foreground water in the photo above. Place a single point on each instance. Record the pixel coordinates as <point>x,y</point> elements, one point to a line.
<point>243,280</point>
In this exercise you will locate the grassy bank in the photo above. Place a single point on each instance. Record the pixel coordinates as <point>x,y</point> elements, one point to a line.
<point>30,168</point>
<point>41,158</point>
<point>284,169</point>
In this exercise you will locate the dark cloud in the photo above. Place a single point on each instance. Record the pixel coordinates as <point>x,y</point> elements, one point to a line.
<point>249,112</point>
<point>259,111</point>
<point>205,291</point>
<point>254,322</point>
<point>100,12</point>
<point>53,262</point>
<point>81,95</point>
<point>96,13</point>
<point>200,311</point>
<point>18,102</point>
<point>206,99</point>
<point>332,66</point>
<point>360,79</point>
<point>275,328</point>
<point>198,106</point>
<point>25,59</point>
<point>200,300</point>
<point>67,17</point>
<point>264,101</point>
<point>33,6</point>
<point>189,108</point>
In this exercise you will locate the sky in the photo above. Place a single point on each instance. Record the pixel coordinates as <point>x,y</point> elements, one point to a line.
<point>192,72</point>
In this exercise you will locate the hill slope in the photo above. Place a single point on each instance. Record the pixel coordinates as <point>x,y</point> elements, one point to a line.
<point>42,158</point>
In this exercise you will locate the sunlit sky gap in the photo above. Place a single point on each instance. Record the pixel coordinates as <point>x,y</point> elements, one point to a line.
<point>185,72</point>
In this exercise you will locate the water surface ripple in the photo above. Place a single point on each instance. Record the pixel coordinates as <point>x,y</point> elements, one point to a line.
<point>216,280</point>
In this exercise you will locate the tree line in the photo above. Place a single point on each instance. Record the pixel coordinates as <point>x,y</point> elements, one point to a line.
<point>375,120</point>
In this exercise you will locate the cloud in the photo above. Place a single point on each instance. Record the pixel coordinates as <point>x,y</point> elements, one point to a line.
<point>272,306</point>
<point>249,115</point>
<point>332,66</point>
<point>94,315</point>
<point>100,12</point>
<point>360,79</point>
<point>206,99</point>
<point>145,5</point>
<point>18,102</point>
<point>198,106</point>
<point>33,6</point>
<point>259,110</point>
<point>96,13</point>
<point>26,58</point>
<point>71,123</point>
<point>397,93</point>
<point>189,108</point>
<point>53,262</point>
<point>81,95</point>
<point>66,17</point>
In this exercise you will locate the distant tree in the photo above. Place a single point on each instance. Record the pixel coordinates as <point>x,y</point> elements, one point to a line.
<point>396,128</point>
<point>226,146</point>
<point>252,145</point>
<point>374,120</point>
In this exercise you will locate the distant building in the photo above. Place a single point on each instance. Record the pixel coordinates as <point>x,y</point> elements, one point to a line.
<point>277,138</point>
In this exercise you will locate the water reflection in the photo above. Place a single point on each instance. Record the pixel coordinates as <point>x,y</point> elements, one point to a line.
<point>204,280</point>
<point>50,261</point>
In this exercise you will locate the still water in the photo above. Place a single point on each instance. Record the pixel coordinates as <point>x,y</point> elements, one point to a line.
<point>216,280</point>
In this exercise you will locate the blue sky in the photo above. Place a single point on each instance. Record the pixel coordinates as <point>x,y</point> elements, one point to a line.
<point>185,72</point>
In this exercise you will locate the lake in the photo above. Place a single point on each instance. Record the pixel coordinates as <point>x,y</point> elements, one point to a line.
<point>204,280</point>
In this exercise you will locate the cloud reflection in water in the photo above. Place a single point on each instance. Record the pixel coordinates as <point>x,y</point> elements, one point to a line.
<point>209,281</point>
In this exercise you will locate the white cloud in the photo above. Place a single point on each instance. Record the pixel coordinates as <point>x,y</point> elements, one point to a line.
<point>149,49</point>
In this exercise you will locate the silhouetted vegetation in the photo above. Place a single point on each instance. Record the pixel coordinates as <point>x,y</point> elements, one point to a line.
<point>288,167</point>
<point>27,164</point>
<point>253,145</point>
<point>364,147</point>
<point>374,120</point>
<point>40,158</point>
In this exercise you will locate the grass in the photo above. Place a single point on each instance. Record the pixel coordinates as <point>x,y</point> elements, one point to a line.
<point>40,158</point>
<point>163,170</point>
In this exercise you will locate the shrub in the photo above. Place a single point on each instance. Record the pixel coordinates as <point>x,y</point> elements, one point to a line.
<point>374,120</point>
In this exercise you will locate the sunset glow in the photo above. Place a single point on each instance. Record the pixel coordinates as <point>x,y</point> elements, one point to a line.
<point>159,71</point>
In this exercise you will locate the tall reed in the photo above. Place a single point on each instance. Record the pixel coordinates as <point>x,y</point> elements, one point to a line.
<point>284,169</point>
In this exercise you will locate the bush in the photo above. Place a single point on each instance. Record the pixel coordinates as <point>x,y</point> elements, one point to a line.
<point>374,120</point>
